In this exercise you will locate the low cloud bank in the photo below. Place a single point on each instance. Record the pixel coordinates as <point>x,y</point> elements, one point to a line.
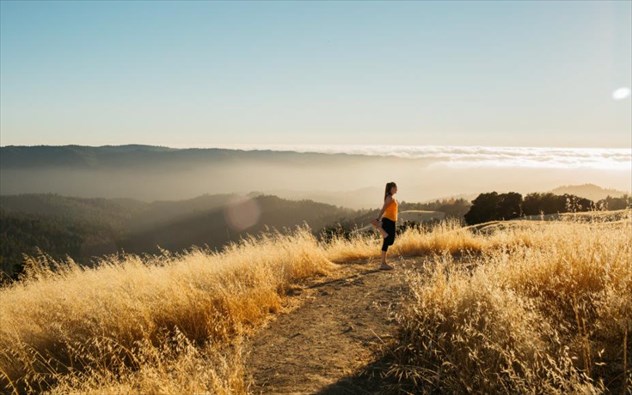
<point>479,156</point>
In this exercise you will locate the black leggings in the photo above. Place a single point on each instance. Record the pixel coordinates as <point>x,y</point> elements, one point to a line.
<point>389,226</point>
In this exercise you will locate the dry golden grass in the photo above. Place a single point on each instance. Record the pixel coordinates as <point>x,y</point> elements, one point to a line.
<point>516,306</point>
<point>447,237</point>
<point>107,325</point>
<point>175,366</point>
<point>545,308</point>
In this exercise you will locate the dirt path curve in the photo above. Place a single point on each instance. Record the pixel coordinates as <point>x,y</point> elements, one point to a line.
<point>328,343</point>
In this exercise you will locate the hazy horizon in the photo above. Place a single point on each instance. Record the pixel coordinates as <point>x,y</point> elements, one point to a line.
<point>318,173</point>
<point>607,158</point>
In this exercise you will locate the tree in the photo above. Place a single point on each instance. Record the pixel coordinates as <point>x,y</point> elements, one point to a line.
<point>493,206</point>
<point>484,208</point>
<point>532,204</point>
<point>509,206</point>
<point>548,203</point>
<point>576,203</point>
<point>615,203</point>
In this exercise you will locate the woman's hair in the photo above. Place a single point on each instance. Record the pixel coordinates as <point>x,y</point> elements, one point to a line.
<point>387,191</point>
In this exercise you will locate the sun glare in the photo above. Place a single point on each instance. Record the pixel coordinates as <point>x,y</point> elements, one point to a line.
<point>621,93</point>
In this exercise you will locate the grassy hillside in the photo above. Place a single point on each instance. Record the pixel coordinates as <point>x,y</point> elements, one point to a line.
<point>83,228</point>
<point>549,310</point>
<point>527,306</point>
<point>148,324</point>
<point>212,228</point>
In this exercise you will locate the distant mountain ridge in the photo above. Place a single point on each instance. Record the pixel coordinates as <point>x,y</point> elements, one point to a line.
<point>588,191</point>
<point>148,173</point>
<point>134,154</point>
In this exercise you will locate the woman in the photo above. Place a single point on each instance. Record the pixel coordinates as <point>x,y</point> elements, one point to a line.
<point>388,215</point>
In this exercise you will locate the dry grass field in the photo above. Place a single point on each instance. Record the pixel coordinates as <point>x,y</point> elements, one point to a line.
<point>158,324</point>
<point>519,306</point>
<point>543,308</point>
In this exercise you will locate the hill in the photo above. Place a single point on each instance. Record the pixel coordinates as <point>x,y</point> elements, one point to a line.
<point>524,306</point>
<point>86,228</point>
<point>588,191</point>
<point>214,227</point>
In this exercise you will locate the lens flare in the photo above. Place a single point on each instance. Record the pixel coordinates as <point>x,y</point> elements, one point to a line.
<point>241,213</point>
<point>621,93</point>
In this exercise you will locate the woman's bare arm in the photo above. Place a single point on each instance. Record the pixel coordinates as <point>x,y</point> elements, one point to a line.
<point>387,201</point>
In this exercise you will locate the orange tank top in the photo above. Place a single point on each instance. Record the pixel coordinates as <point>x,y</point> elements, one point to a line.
<point>391,211</point>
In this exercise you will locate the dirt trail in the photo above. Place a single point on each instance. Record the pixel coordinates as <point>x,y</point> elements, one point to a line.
<point>328,344</point>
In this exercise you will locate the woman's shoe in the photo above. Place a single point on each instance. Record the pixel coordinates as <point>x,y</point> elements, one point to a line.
<point>385,266</point>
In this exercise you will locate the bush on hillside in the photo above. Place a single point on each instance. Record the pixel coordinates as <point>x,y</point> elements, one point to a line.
<point>494,206</point>
<point>505,206</point>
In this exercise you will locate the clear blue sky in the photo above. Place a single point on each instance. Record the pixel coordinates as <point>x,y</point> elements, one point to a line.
<point>510,73</point>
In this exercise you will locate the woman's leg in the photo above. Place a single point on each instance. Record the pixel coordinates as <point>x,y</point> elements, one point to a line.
<point>386,243</point>
<point>377,225</point>
<point>384,265</point>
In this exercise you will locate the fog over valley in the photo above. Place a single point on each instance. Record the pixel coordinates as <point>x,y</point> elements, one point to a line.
<point>353,179</point>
